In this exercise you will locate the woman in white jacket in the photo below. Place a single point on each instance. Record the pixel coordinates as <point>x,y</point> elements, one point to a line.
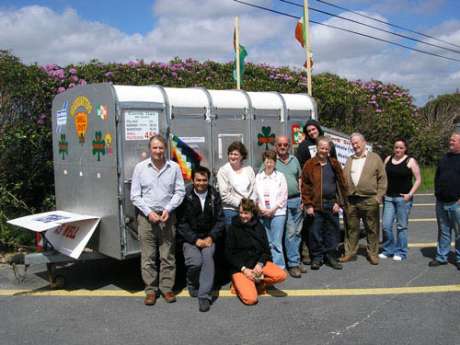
<point>271,195</point>
<point>235,181</point>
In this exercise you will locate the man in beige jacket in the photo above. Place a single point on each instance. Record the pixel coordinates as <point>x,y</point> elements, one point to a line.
<point>367,184</point>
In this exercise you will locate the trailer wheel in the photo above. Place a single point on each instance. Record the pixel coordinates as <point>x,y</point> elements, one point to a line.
<point>56,281</point>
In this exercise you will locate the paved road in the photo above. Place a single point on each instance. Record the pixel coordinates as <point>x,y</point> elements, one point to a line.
<point>395,302</point>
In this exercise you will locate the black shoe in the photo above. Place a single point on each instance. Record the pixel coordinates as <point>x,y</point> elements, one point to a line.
<point>192,291</point>
<point>458,265</point>
<point>316,265</point>
<point>203,304</point>
<point>436,263</point>
<point>332,262</point>
<point>302,268</point>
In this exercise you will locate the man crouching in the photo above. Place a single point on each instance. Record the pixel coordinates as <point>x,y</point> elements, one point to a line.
<point>200,224</point>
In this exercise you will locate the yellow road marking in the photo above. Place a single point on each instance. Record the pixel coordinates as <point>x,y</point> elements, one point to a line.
<point>426,244</point>
<point>227,293</point>
<point>416,220</point>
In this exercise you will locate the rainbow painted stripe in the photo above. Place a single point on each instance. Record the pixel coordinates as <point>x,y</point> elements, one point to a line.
<point>185,156</point>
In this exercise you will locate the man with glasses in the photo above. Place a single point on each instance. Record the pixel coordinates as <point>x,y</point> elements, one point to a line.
<point>290,167</point>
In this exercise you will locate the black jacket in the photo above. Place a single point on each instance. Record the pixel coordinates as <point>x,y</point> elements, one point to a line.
<point>246,245</point>
<point>193,223</point>
<point>447,178</point>
<point>303,153</point>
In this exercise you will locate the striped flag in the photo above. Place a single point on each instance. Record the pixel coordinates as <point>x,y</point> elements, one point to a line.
<point>299,36</point>
<point>300,31</point>
<point>185,156</point>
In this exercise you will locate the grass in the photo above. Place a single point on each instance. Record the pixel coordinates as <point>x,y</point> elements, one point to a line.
<point>427,179</point>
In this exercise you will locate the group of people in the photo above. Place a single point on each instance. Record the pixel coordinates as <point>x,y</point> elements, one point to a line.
<point>272,223</point>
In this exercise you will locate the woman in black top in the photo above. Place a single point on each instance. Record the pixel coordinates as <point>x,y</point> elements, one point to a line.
<point>249,256</point>
<point>400,169</point>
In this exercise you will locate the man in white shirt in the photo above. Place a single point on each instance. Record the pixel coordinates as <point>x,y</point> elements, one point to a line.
<point>157,189</point>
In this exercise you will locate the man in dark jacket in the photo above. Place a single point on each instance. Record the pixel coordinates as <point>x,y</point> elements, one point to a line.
<point>312,131</point>
<point>200,225</point>
<point>447,192</point>
<point>323,193</point>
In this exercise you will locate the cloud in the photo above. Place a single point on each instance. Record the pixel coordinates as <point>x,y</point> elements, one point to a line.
<point>38,34</point>
<point>203,30</point>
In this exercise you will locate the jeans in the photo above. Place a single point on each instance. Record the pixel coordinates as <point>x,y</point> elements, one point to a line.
<point>324,232</point>
<point>292,239</point>
<point>395,209</point>
<point>274,228</point>
<point>229,214</point>
<point>448,216</point>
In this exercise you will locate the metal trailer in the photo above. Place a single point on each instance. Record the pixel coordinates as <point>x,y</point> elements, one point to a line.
<point>101,131</point>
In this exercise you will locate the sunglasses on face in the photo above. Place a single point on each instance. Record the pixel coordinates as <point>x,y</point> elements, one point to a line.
<point>282,145</point>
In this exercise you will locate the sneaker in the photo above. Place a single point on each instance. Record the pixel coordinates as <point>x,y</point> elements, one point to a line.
<point>436,263</point>
<point>383,256</point>
<point>203,305</point>
<point>397,258</point>
<point>294,272</point>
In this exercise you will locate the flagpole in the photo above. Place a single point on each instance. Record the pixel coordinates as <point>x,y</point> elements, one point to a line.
<point>307,44</point>
<point>237,52</point>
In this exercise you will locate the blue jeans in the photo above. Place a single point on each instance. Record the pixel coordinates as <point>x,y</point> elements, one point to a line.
<point>324,233</point>
<point>448,216</point>
<point>292,239</point>
<point>395,209</point>
<point>275,229</point>
<point>229,214</point>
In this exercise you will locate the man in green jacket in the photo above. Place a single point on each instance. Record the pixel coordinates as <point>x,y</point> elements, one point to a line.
<point>367,184</point>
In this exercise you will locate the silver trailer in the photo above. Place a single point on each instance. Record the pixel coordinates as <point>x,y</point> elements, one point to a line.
<point>101,131</point>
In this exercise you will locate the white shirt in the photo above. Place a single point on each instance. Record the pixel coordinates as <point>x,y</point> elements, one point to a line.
<point>357,165</point>
<point>202,197</point>
<point>271,191</point>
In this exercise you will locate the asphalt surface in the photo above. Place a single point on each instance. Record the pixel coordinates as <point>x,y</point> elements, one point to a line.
<point>102,303</point>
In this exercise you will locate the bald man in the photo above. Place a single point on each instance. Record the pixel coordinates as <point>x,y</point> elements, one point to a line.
<point>290,167</point>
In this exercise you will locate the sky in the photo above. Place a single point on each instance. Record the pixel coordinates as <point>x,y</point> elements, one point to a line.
<point>65,32</point>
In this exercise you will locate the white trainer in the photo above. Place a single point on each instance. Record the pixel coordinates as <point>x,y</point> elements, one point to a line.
<point>397,258</point>
<point>383,256</point>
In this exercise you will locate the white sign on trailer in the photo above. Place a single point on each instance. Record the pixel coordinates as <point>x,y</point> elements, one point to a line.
<point>68,233</point>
